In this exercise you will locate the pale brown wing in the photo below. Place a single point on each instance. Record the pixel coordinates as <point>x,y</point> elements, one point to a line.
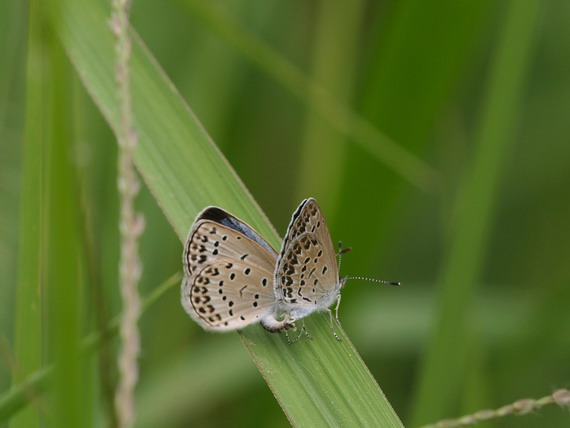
<point>307,277</point>
<point>228,272</point>
<point>228,295</point>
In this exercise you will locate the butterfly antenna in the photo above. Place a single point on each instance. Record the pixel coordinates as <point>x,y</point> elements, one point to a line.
<point>372,280</point>
<point>341,251</point>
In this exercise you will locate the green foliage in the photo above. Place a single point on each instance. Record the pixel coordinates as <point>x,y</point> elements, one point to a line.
<point>433,133</point>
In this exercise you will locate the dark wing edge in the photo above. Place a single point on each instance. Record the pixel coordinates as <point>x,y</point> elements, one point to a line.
<point>223,217</point>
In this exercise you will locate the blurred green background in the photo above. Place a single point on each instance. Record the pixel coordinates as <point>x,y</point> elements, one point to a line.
<point>493,221</point>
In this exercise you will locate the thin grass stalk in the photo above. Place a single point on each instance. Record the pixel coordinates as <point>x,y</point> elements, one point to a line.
<point>131,224</point>
<point>524,406</point>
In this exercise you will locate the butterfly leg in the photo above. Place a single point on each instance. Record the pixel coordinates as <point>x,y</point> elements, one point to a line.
<point>304,330</point>
<point>336,309</point>
<point>296,339</point>
<point>289,341</point>
<point>290,324</point>
<point>301,332</point>
<point>332,326</point>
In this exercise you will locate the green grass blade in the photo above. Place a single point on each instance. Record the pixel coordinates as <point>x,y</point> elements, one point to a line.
<point>13,40</point>
<point>48,310</point>
<point>32,250</point>
<point>474,209</point>
<point>72,389</point>
<point>316,382</point>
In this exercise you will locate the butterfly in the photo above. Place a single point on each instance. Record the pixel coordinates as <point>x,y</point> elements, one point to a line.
<point>234,278</point>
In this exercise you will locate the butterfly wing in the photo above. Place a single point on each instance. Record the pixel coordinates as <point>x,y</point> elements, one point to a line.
<point>228,272</point>
<point>306,277</point>
<point>216,233</point>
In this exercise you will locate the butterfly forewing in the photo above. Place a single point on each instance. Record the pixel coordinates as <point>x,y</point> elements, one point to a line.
<point>228,272</point>
<point>307,274</point>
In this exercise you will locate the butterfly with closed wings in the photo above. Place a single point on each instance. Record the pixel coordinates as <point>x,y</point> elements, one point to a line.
<point>234,278</point>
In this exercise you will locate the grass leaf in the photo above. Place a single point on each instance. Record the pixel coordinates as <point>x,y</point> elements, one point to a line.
<point>32,251</point>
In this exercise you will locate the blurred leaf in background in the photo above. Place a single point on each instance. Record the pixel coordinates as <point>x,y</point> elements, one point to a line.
<point>417,72</point>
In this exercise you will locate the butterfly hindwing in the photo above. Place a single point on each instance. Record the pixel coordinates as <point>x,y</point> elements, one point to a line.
<point>228,296</point>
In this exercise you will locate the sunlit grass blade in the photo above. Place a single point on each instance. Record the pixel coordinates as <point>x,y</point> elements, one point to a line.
<point>316,382</point>
<point>445,365</point>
